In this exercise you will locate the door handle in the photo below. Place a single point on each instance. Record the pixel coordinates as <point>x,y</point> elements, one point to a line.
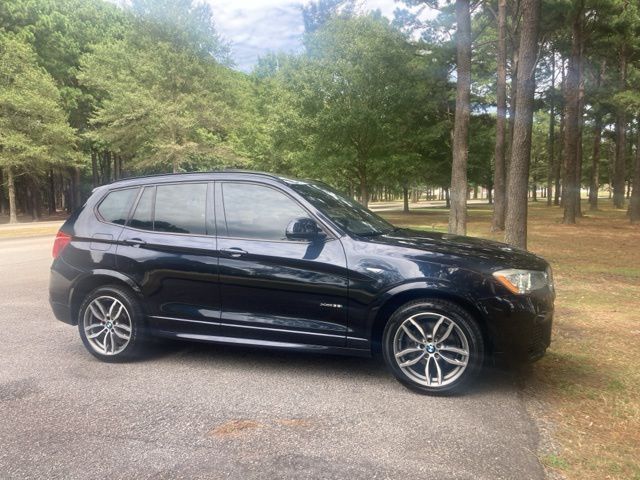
<point>136,242</point>
<point>234,252</point>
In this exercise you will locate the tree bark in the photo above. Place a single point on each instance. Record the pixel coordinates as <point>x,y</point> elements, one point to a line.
<point>94,168</point>
<point>552,131</point>
<point>578,205</point>
<point>594,181</point>
<point>11,190</point>
<point>517,183</point>
<point>634,204</point>
<point>621,125</point>
<point>458,211</point>
<point>594,184</point>
<point>557,174</point>
<point>405,197</point>
<point>572,120</point>
<point>500,173</point>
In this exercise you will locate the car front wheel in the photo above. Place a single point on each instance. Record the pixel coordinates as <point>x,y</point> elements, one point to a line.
<point>109,324</point>
<point>433,346</point>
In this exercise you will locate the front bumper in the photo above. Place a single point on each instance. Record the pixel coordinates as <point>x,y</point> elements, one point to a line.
<point>520,325</point>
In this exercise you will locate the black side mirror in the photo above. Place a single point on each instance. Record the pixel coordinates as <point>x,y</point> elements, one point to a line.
<point>302,229</point>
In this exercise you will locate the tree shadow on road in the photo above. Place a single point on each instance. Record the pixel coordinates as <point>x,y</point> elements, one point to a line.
<point>496,376</point>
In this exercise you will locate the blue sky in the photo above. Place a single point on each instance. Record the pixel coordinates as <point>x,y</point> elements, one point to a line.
<point>256,27</point>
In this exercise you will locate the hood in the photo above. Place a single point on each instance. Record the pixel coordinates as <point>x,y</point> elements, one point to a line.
<point>489,255</point>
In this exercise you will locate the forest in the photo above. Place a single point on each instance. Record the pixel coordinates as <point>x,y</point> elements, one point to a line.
<point>509,100</point>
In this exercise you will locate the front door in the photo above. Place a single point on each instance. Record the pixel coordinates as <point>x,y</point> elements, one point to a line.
<point>272,288</point>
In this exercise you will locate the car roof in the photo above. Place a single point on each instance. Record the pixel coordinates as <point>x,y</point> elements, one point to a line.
<point>198,176</point>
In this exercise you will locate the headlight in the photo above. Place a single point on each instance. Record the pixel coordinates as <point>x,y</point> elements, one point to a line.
<point>524,281</point>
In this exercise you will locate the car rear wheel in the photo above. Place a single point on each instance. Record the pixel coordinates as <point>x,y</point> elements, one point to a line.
<point>109,321</point>
<point>433,346</point>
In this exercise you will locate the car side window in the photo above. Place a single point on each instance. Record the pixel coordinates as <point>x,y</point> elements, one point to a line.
<point>181,208</point>
<point>256,211</point>
<point>142,218</point>
<point>117,204</point>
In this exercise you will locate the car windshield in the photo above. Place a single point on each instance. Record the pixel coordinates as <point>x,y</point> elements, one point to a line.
<point>349,215</point>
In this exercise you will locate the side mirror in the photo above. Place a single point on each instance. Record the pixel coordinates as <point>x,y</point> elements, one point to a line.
<point>302,229</point>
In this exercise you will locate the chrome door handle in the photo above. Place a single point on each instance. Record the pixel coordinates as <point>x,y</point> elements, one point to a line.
<point>136,242</point>
<point>234,252</point>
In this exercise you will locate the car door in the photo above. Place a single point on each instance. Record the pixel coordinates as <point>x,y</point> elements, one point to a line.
<point>168,247</point>
<point>272,288</point>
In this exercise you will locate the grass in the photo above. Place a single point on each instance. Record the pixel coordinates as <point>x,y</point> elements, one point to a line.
<point>590,377</point>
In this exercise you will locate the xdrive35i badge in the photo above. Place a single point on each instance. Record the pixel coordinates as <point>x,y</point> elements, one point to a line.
<point>331,305</point>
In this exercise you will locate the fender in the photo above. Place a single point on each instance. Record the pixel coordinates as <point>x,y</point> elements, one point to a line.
<point>80,282</point>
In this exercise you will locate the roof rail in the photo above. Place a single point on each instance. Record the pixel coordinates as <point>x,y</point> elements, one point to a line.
<point>228,170</point>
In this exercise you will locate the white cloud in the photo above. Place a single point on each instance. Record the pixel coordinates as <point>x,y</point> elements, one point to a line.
<point>256,27</point>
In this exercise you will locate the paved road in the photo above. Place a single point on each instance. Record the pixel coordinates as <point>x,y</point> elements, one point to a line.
<point>199,411</point>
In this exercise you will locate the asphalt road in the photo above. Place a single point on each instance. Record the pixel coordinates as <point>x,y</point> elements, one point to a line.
<point>205,411</point>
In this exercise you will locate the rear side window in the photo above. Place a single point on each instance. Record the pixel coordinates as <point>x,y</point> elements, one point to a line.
<point>142,218</point>
<point>117,204</point>
<point>177,208</point>
<point>181,208</point>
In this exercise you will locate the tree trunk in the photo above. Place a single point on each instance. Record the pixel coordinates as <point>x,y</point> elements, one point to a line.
<point>11,190</point>
<point>517,183</point>
<point>594,183</point>
<point>405,197</point>
<point>500,175</point>
<point>552,131</point>
<point>578,205</point>
<point>557,174</point>
<point>634,204</point>
<point>77,194</point>
<point>572,121</point>
<point>458,211</point>
<point>621,125</point>
<point>447,198</point>
<point>94,168</point>
<point>2,207</point>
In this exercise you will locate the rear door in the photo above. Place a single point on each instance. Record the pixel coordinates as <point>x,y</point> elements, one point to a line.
<point>272,288</point>
<point>168,247</point>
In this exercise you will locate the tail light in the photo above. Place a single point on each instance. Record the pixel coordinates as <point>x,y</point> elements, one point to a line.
<point>59,244</point>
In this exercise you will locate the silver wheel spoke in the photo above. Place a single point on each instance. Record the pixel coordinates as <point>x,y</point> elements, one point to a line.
<point>453,361</point>
<point>95,325</point>
<point>123,327</point>
<point>419,328</point>
<point>438,371</point>
<point>408,350</point>
<point>437,326</point>
<point>459,351</point>
<point>411,335</point>
<point>413,361</point>
<point>95,335</point>
<point>446,334</point>
<point>101,308</point>
<point>112,341</point>
<point>117,315</point>
<point>426,371</point>
<point>118,334</point>
<point>96,313</point>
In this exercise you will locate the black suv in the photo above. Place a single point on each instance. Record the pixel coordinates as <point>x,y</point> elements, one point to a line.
<point>255,259</point>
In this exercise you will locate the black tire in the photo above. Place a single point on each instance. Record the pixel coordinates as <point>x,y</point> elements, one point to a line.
<point>134,346</point>
<point>429,311</point>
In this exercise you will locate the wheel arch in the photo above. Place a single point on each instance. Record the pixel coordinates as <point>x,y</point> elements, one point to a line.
<point>396,300</point>
<point>97,278</point>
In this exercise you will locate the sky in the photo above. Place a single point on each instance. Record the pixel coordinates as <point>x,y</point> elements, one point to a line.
<point>256,27</point>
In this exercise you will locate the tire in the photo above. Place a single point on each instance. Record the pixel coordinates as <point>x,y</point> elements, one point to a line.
<point>110,322</point>
<point>452,359</point>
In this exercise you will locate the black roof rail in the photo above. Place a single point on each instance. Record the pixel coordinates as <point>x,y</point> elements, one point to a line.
<point>229,170</point>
